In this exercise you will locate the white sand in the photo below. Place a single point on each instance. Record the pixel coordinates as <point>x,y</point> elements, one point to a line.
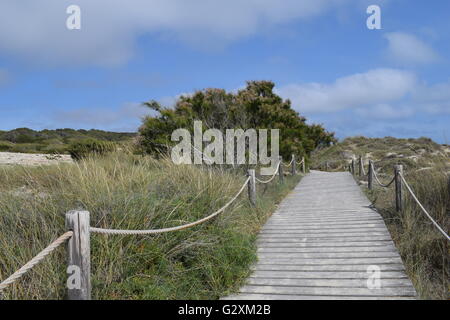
<point>28,159</point>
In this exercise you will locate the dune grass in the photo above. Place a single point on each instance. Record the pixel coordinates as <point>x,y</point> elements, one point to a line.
<point>424,250</point>
<point>133,192</point>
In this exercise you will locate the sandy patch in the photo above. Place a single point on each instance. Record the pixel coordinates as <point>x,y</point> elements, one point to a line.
<point>28,159</point>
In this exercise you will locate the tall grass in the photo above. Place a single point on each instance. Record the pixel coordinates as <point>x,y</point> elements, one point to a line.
<point>132,192</point>
<point>423,248</point>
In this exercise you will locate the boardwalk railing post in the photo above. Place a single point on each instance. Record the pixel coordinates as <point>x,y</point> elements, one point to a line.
<point>252,187</point>
<point>78,256</point>
<point>370,177</point>
<point>303,165</point>
<point>280,169</point>
<point>293,168</point>
<point>361,168</point>
<point>398,169</point>
<point>353,166</point>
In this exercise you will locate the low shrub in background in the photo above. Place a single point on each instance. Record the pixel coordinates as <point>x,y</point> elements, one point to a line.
<point>85,148</point>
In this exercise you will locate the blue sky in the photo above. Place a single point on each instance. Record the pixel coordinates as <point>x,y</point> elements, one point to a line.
<point>320,54</point>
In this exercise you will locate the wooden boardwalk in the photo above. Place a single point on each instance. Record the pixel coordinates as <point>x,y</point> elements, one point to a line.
<point>321,243</point>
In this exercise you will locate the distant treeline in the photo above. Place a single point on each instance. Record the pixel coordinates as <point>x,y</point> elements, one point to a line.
<point>53,141</point>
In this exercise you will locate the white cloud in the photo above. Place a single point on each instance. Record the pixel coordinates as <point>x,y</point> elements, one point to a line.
<point>406,48</point>
<point>36,30</point>
<point>385,112</point>
<point>376,86</point>
<point>128,116</point>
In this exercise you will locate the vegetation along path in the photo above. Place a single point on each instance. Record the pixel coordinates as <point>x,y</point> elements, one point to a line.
<point>326,242</point>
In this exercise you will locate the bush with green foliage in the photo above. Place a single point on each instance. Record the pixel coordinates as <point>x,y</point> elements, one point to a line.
<point>85,148</point>
<point>256,107</point>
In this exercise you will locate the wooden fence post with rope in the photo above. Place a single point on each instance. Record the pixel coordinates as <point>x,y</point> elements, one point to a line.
<point>294,166</point>
<point>398,170</point>
<point>360,166</point>
<point>79,256</point>
<point>280,170</point>
<point>370,176</point>
<point>252,187</point>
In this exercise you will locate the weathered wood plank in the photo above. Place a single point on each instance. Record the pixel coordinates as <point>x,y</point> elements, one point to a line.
<point>321,244</point>
<point>327,255</point>
<point>371,261</point>
<point>331,268</point>
<point>332,283</point>
<point>258,296</point>
<point>389,248</point>
<point>392,292</point>
<point>325,275</point>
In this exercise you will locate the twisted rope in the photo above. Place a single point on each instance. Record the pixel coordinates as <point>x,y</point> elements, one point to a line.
<point>422,207</point>
<point>378,181</point>
<point>273,176</point>
<point>185,226</point>
<point>29,265</point>
<point>363,171</point>
<point>289,164</point>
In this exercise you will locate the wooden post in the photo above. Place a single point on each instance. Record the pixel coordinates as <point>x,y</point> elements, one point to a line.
<point>280,170</point>
<point>78,256</point>
<point>398,187</point>
<point>361,166</point>
<point>353,166</point>
<point>370,177</point>
<point>252,187</point>
<point>326,165</point>
<point>303,165</point>
<point>293,167</point>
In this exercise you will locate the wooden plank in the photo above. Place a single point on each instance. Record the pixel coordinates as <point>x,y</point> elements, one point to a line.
<point>258,296</point>
<point>325,244</point>
<point>325,238</point>
<point>332,268</point>
<point>332,283</point>
<point>320,244</point>
<point>336,261</point>
<point>325,275</point>
<point>299,228</point>
<point>388,248</point>
<point>392,292</point>
<point>327,255</point>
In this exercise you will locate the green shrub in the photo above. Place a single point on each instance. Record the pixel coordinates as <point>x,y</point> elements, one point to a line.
<point>84,148</point>
<point>6,146</point>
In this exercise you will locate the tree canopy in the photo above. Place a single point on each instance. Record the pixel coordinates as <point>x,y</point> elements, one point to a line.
<point>255,107</point>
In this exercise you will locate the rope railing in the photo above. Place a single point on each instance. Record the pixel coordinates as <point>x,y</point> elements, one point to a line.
<point>398,180</point>
<point>276,171</point>
<point>378,180</point>
<point>422,207</point>
<point>164,230</point>
<point>79,229</point>
<point>38,258</point>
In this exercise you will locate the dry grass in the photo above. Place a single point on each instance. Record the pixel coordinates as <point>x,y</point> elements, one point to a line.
<point>426,167</point>
<point>132,192</point>
<point>423,248</point>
